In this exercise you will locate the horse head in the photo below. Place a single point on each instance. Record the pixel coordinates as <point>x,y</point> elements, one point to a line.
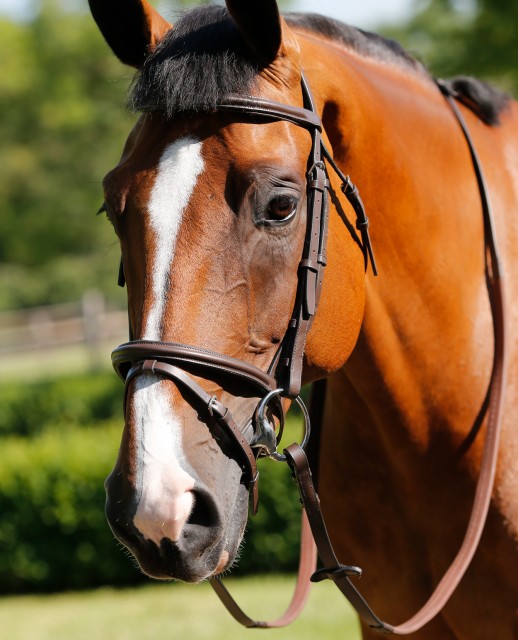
<point>210,207</point>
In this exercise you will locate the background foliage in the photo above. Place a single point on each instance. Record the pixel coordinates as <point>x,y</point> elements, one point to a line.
<point>470,37</point>
<point>62,122</point>
<point>56,403</point>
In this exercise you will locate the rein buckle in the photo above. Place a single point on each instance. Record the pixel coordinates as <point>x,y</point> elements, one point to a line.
<point>336,573</point>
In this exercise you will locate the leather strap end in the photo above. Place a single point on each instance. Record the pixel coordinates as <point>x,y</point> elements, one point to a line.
<point>253,492</point>
<point>310,300</point>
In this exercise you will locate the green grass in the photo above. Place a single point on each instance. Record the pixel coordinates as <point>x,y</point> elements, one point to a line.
<point>174,611</point>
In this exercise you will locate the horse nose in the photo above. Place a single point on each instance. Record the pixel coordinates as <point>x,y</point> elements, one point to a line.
<point>166,521</point>
<point>165,505</point>
<point>190,551</point>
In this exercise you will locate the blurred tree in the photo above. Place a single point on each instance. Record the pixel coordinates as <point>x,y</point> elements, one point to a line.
<point>62,123</point>
<point>475,37</point>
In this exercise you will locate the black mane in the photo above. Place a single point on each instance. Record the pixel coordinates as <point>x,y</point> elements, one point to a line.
<point>205,58</point>
<point>370,45</point>
<point>483,99</point>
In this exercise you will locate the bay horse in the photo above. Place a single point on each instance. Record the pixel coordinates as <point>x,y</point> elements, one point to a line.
<point>211,204</point>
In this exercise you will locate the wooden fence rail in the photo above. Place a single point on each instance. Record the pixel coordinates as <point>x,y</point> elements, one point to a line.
<point>88,325</point>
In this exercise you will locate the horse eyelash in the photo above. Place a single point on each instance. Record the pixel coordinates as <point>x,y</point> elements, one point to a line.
<point>102,209</point>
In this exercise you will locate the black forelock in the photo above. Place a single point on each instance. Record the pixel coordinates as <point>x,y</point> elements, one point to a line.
<point>203,59</point>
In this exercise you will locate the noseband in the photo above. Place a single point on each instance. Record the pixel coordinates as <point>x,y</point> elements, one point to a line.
<point>178,362</point>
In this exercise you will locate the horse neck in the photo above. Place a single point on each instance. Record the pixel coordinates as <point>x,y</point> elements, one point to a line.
<point>425,349</point>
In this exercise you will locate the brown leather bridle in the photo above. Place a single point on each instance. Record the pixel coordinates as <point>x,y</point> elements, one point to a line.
<point>284,377</point>
<point>178,362</point>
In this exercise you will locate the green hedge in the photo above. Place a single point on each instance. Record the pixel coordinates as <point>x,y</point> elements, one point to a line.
<point>272,538</point>
<point>53,532</point>
<point>28,409</point>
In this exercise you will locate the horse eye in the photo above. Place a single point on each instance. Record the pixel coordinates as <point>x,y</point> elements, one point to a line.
<point>281,209</point>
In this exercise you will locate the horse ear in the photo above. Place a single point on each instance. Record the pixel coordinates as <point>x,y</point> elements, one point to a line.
<point>260,24</point>
<point>132,28</point>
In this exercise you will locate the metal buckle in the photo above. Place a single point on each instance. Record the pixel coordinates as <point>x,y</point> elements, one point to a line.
<point>319,164</point>
<point>266,439</point>
<point>210,405</point>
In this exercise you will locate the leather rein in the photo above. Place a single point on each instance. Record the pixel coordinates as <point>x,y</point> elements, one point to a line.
<point>178,363</point>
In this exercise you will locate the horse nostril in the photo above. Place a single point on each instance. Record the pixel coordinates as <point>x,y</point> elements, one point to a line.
<point>204,512</point>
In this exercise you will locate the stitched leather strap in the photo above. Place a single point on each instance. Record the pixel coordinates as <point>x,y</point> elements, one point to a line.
<point>333,570</point>
<point>181,354</point>
<point>272,110</point>
<point>289,361</point>
<point>311,268</point>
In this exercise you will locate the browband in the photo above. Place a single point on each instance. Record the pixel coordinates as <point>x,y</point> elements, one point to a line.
<point>271,110</point>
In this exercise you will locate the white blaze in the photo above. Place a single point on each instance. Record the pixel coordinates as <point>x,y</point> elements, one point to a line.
<point>166,498</point>
<point>180,165</point>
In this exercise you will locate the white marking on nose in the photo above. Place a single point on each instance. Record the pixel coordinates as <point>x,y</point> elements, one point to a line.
<point>166,498</point>
<point>180,165</point>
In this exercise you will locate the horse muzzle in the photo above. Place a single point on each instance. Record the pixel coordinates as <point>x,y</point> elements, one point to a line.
<point>186,536</point>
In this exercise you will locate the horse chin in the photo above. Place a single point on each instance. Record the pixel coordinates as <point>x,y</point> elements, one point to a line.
<point>201,551</point>
<point>166,562</point>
